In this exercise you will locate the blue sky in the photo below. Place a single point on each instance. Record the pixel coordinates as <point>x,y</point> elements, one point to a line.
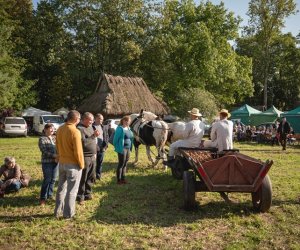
<point>240,7</point>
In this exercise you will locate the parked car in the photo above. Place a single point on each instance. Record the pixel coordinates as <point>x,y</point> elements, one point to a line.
<point>111,125</point>
<point>13,126</point>
<point>39,122</point>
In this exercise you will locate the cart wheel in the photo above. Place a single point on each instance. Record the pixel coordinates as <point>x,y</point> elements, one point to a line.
<point>262,198</point>
<point>189,190</point>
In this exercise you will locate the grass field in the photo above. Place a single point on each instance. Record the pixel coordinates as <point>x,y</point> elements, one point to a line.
<point>147,213</point>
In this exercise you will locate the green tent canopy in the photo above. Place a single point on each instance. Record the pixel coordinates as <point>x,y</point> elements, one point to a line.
<point>293,117</point>
<point>270,115</point>
<point>243,114</point>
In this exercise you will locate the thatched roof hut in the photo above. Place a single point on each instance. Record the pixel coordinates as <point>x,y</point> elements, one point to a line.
<point>118,96</point>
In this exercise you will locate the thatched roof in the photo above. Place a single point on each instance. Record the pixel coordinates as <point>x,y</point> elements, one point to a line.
<point>118,96</point>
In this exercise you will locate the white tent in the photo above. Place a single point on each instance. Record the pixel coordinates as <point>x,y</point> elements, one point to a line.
<point>31,111</point>
<point>62,111</point>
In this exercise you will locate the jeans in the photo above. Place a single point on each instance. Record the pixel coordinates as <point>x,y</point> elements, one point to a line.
<point>68,182</point>
<point>123,159</point>
<point>50,174</point>
<point>100,156</point>
<point>13,187</point>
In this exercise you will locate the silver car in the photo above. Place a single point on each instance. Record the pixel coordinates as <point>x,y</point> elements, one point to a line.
<point>14,126</point>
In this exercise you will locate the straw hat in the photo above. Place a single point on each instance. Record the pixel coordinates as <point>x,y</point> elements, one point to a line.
<point>225,112</point>
<point>195,112</point>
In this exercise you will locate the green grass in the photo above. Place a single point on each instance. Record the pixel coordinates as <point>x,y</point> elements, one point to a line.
<point>147,213</point>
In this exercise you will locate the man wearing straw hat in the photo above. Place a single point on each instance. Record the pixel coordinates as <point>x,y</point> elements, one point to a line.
<point>193,133</point>
<point>221,133</point>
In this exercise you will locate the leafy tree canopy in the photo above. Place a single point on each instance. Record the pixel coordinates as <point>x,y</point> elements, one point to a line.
<point>190,49</point>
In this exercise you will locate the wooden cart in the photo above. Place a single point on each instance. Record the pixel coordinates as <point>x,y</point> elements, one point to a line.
<point>206,170</point>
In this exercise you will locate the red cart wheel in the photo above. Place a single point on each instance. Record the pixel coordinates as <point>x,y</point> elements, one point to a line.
<point>262,198</point>
<point>189,190</point>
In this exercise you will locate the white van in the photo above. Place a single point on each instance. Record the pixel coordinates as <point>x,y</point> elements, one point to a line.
<point>39,122</point>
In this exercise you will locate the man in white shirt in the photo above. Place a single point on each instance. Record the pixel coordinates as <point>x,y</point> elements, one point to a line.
<point>193,133</point>
<point>221,133</point>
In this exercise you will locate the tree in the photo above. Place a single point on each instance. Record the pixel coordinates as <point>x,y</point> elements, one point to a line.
<point>14,88</point>
<point>190,49</point>
<point>106,36</point>
<point>266,20</point>
<point>49,57</point>
<point>203,100</point>
<point>285,83</point>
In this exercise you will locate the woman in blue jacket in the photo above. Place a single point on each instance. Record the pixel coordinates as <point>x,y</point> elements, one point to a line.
<point>123,141</point>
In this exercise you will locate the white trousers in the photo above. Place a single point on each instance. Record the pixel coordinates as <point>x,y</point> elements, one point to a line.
<point>182,143</point>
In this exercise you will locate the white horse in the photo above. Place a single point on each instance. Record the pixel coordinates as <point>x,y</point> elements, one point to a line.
<point>149,132</point>
<point>176,128</point>
<point>174,131</point>
<point>177,131</point>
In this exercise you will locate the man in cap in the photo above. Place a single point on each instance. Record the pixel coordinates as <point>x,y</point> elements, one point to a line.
<point>221,133</point>
<point>193,133</point>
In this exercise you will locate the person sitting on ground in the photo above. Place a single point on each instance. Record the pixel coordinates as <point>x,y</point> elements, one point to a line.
<point>260,134</point>
<point>291,137</point>
<point>248,133</point>
<point>274,136</point>
<point>240,132</point>
<point>12,176</point>
<point>221,133</point>
<point>194,131</point>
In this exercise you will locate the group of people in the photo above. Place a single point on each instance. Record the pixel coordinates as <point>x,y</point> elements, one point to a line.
<point>76,155</point>
<point>279,132</point>
<point>221,134</point>
<point>77,151</point>
<point>80,150</point>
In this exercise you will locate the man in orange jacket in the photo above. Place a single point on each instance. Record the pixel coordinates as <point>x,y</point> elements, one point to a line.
<point>71,163</point>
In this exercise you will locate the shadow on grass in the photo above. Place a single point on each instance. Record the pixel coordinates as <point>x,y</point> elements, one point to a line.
<point>18,200</point>
<point>285,202</point>
<point>35,182</point>
<point>156,199</point>
<point>8,219</point>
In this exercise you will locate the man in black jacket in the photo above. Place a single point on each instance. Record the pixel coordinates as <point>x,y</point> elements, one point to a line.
<point>89,145</point>
<point>284,129</point>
